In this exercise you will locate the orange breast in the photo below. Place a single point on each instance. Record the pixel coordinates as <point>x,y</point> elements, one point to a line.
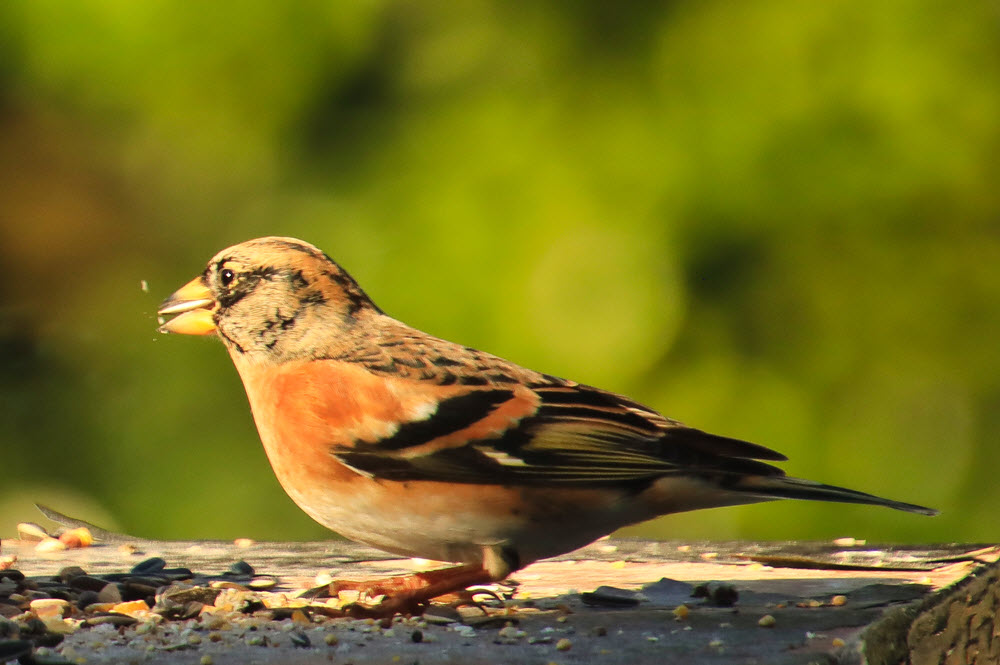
<point>304,409</point>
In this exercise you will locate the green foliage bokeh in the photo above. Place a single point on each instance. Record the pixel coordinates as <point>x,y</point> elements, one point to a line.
<point>773,220</point>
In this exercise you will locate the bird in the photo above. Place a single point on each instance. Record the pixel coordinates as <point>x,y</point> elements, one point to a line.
<point>426,448</point>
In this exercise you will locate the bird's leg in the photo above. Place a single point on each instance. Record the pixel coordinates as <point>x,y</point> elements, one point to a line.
<point>396,584</point>
<point>410,594</point>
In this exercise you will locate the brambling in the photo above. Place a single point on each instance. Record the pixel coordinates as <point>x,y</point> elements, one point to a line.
<point>427,448</point>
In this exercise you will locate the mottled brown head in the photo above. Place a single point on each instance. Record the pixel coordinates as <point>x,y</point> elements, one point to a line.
<point>269,300</point>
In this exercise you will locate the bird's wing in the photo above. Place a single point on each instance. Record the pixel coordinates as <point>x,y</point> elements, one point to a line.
<point>549,432</point>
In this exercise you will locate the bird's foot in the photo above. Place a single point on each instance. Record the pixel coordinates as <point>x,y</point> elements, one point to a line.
<point>411,594</point>
<point>452,579</point>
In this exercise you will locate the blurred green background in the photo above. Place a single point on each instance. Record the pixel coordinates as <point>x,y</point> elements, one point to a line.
<point>776,220</point>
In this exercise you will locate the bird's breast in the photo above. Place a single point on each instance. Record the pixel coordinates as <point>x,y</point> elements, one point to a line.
<point>329,403</point>
<point>305,410</point>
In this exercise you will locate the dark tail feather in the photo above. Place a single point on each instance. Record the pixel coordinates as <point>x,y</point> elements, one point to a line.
<point>783,487</point>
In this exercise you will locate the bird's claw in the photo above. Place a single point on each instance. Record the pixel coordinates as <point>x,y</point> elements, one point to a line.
<point>389,607</point>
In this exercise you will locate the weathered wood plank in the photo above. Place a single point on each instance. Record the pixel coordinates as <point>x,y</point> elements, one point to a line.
<point>885,589</point>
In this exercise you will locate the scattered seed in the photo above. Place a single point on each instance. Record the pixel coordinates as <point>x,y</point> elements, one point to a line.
<point>145,628</point>
<point>31,532</point>
<point>131,607</point>
<point>112,619</point>
<point>152,565</point>
<point>50,544</point>
<point>49,606</point>
<point>11,575</point>
<point>240,569</point>
<point>110,593</point>
<point>609,596</point>
<point>510,632</point>
<point>181,594</point>
<point>75,538</point>
<point>87,583</point>
<point>262,583</point>
<point>61,626</point>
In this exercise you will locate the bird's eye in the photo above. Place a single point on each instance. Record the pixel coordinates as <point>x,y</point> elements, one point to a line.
<point>226,276</point>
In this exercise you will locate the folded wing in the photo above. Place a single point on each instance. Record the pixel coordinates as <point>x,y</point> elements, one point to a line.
<point>569,435</point>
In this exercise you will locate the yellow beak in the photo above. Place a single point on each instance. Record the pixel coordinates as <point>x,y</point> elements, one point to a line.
<point>194,306</point>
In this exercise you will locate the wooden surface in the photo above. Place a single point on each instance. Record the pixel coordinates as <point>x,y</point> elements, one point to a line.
<point>900,604</point>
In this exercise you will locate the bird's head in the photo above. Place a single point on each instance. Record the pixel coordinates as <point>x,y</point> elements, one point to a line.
<point>269,300</point>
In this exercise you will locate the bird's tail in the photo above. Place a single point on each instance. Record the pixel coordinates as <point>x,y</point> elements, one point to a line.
<point>783,487</point>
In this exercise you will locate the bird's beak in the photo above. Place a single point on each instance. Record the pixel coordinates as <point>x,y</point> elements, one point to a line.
<point>194,306</point>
